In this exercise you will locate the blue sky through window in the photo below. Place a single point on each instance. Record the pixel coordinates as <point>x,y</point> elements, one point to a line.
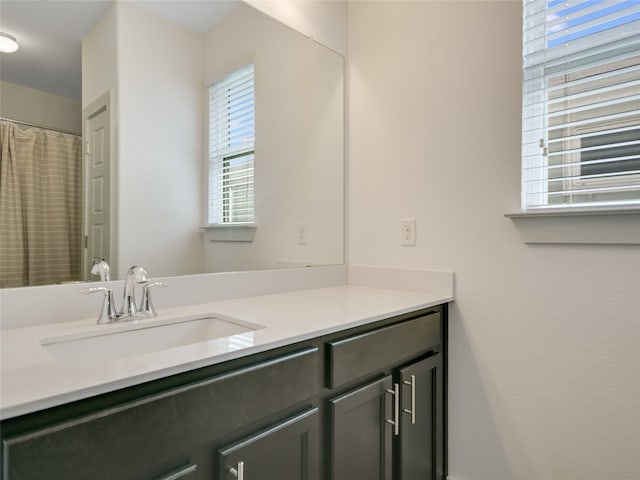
<point>572,23</point>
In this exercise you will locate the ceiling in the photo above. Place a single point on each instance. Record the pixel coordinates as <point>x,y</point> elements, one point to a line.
<point>50,34</point>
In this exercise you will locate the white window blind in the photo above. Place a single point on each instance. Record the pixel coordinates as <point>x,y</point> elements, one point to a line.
<point>581,104</point>
<point>231,148</point>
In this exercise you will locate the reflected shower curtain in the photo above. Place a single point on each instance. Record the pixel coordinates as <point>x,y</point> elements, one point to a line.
<point>40,206</point>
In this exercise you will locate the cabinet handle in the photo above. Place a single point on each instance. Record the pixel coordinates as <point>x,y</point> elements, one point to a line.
<point>396,408</point>
<point>239,472</point>
<point>411,412</point>
<point>179,473</point>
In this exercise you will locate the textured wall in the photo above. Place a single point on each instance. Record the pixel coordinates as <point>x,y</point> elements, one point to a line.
<point>545,340</point>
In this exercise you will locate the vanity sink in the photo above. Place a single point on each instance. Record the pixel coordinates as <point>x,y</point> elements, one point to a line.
<point>128,339</point>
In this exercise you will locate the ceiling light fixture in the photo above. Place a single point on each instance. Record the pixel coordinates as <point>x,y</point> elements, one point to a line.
<point>8,43</point>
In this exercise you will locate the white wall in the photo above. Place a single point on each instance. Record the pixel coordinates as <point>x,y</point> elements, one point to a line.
<point>160,138</point>
<point>299,88</point>
<point>40,108</point>
<point>100,58</point>
<point>325,21</point>
<point>544,379</point>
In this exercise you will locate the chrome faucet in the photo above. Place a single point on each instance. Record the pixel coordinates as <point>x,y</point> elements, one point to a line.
<point>101,267</point>
<point>136,275</point>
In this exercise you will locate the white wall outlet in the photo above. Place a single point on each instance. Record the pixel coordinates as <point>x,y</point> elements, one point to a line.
<point>408,232</point>
<point>301,234</point>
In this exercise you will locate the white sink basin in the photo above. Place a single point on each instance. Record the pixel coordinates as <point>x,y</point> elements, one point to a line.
<point>127,339</point>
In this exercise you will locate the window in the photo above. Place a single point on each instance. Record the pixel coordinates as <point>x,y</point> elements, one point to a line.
<point>581,104</point>
<point>231,148</point>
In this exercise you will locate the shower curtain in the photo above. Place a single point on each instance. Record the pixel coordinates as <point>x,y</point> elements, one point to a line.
<point>40,206</point>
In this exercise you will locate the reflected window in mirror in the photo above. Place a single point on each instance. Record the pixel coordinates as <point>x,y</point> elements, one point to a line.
<point>231,148</point>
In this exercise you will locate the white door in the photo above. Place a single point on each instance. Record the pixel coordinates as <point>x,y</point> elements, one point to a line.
<point>97,187</point>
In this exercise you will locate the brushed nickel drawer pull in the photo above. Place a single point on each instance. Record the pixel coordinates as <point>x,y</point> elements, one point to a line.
<point>239,472</point>
<point>396,408</point>
<point>411,412</point>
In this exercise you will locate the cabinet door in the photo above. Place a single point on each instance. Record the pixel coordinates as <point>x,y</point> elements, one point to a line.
<point>419,454</point>
<point>288,450</point>
<point>361,435</point>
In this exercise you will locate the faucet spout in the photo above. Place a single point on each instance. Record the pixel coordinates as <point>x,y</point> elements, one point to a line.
<point>136,275</point>
<point>101,267</point>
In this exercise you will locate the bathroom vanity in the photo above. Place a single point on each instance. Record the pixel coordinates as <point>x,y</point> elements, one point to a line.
<point>347,383</point>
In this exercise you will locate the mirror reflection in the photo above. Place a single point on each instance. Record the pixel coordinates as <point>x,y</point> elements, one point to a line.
<point>120,170</point>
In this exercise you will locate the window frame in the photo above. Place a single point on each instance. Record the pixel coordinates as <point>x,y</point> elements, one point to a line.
<point>573,179</point>
<point>559,224</point>
<point>219,211</point>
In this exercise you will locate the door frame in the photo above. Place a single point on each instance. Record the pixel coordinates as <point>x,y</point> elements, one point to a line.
<point>104,103</point>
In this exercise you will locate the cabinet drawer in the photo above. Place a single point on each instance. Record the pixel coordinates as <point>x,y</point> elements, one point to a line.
<point>129,439</point>
<point>353,357</point>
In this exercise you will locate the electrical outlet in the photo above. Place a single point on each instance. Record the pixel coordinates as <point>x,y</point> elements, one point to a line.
<point>408,232</point>
<point>301,234</point>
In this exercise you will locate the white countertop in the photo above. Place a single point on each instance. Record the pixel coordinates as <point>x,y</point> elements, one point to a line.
<point>31,379</point>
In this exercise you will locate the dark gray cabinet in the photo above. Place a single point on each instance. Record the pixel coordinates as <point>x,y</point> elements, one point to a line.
<point>287,450</point>
<point>393,424</point>
<point>144,438</point>
<point>420,442</point>
<point>361,437</point>
<point>364,403</point>
<point>392,427</point>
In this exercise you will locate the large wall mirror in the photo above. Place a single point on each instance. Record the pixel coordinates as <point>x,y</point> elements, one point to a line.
<point>147,65</point>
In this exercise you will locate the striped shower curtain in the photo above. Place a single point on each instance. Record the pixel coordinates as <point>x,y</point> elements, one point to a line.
<point>40,206</point>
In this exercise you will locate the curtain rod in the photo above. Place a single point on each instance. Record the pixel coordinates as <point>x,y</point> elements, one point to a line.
<point>27,124</point>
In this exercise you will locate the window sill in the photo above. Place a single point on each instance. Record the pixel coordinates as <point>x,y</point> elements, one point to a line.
<point>239,232</point>
<point>611,226</point>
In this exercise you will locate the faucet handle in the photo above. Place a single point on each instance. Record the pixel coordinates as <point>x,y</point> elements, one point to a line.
<point>108,312</point>
<point>146,305</point>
